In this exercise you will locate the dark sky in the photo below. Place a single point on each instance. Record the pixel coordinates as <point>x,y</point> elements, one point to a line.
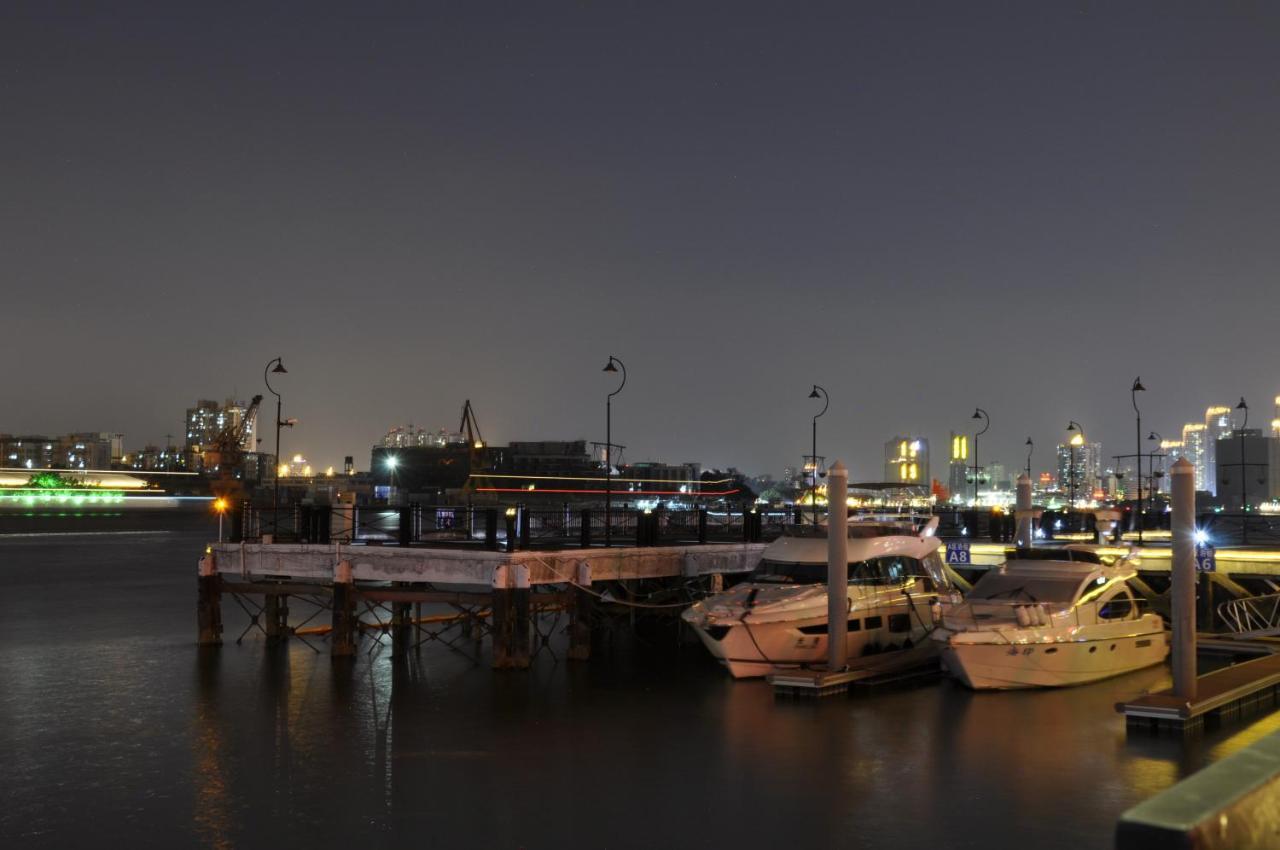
<point>922,207</point>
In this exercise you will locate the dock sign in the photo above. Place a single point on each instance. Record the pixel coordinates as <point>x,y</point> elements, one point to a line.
<point>1205,560</point>
<point>958,552</point>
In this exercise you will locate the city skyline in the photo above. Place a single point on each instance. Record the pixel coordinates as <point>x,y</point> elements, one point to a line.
<point>1014,209</point>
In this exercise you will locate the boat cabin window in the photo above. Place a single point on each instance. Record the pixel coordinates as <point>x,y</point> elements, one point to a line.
<point>1119,607</point>
<point>1020,588</point>
<point>889,570</point>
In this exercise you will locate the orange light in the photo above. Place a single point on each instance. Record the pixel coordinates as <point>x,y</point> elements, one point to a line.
<point>220,505</point>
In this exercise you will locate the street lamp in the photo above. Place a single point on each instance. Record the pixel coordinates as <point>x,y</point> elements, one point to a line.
<point>1030,448</point>
<point>392,462</point>
<point>266,378</point>
<point>1137,451</point>
<point>817,392</point>
<point>978,413</point>
<point>1077,439</point>
<point>220,507</point>
<point>613,365</point>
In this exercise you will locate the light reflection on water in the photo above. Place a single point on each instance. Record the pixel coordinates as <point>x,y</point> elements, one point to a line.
<point>118,731</point>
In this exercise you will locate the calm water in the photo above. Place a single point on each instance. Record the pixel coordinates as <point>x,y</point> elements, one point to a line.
<point>116,731</point>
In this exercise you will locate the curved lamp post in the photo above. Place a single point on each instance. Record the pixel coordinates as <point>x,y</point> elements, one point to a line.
<point>1137,451</point>
<point>978,413</point>
<point>817,392</point>
<point>1077,439</point>
<point>1031,447</point>
<point>266,379</point>
<point>613,365</point>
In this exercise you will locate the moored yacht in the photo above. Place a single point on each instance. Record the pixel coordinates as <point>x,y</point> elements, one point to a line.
<point>1049,618</point>
<point>777,619</point>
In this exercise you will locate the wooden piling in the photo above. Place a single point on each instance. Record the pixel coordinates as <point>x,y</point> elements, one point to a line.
<point>276,613</point>
<point>511,591</point>
<point>209,603</point>
<point>343,640</point>
<point>581,615</point>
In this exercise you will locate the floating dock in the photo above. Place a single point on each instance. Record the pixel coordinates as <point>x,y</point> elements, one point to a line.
<point>1240,690</point>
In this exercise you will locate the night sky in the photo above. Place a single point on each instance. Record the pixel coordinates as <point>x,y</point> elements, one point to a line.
<point>921,207</point>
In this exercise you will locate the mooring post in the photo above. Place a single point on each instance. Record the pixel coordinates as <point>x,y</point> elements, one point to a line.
<point>1024,537</point>
<point>209,602</point>
<point>1183,572</point>
<point>276,613</point>
<point>702,525</point>
<point>343,643</point>
<point>837,567</point>
<point>580,623</point>
<point>522,600</point>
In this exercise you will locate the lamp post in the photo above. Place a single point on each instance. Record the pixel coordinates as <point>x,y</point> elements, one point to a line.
<point>1137,451</point>
<point>978,413</point>
<point>1244,504</point>
<point>220,506</point>
<point>613,365</point>
<point>1077,439</point>
<point>816,392</point>
<point>266,378</point>
<point>1030,448</point>
<point>392,461</point>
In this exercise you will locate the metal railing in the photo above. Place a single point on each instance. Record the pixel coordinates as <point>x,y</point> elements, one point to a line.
<point>1254,615</point>
<point>494,527</point>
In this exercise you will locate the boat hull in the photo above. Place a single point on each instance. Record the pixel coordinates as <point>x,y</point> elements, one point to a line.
<point>1002,666</point>
<point>749,650</point>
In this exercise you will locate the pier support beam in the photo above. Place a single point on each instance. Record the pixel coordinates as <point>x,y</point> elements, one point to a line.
<point>581,616</point>
<point>209,603</point>
<point>1182,592</point>
<point>343,640</point>
<point>401,628</point>
<point>511,592</point>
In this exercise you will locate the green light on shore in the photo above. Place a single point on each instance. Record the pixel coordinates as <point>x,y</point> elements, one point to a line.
<point>61,495</point>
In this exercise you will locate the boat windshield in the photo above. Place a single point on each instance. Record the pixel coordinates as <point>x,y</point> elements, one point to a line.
<point>1080,556</point>
<point>887,570</point>
<point>1023,588</point>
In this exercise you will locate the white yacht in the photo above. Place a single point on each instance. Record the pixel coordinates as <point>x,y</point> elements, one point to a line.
<point>1049,618</point>
<point>777,619</point>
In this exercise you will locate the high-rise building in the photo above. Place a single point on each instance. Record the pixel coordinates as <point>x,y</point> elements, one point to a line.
<point>1217,424</point>
<point>906,461</point>
<point>1082,462</point>
<point>1245,478</point>
<point>1194,451</point>
<point>1173,451</point>
<point>957,468</point>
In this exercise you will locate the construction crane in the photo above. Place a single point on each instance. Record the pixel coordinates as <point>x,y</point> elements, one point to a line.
<point>225,454</point>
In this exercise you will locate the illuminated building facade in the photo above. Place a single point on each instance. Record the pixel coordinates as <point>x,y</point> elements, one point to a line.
<point>1245,480</point>
<point>1194,451</point>
<point>906,461</point>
